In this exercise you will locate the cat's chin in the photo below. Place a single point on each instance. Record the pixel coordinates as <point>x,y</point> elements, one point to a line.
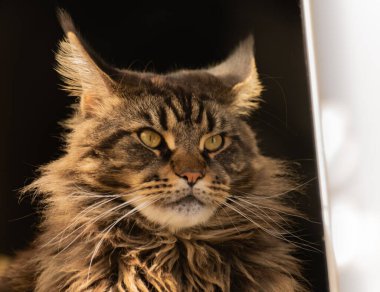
<point>184,213</point>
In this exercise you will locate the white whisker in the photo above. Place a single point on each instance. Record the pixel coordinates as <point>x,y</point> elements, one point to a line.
<point>75,219</point>
<point>220,205</point>
<point>108,229</point>
<point>95,220</point>
<point>263,197</point>
<point>280,236</point>
<point>252,221</point>
<point>307,243</point>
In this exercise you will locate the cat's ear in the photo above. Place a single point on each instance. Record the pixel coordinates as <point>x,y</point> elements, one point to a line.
<point>239,73</point>
<point>80,70</point>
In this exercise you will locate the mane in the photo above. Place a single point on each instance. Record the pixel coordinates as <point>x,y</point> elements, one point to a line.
<point>202,258</point>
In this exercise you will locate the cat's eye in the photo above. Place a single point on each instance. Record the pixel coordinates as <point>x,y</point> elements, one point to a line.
<point>214,143</point>
<point>150,138</point>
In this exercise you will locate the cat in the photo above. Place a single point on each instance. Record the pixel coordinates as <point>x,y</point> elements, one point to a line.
<point>162,186</point>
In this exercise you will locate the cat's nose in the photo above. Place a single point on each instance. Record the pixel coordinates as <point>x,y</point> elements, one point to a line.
<point>191,177</point>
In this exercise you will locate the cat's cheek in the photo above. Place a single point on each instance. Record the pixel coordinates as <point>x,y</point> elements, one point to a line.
<point>135,178</point>
<point>233,161</point>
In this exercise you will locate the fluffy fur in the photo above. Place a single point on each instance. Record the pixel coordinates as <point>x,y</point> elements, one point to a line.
<point>111,217</point>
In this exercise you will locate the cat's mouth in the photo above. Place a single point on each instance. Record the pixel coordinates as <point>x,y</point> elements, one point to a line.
<point>186,201</point>
<point>183,211</point>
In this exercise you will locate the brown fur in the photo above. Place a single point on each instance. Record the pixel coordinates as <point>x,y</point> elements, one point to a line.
<point>96,234</point>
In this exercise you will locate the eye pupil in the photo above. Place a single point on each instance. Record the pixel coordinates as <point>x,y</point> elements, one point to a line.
<point>214,143</point>
<point>150,138</point>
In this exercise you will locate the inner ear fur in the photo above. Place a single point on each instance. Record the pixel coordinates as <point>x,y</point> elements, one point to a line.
<point>81,72</point>
<point>239,73</point>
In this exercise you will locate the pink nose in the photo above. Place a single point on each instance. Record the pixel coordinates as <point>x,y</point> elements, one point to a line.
<point>191,177</point>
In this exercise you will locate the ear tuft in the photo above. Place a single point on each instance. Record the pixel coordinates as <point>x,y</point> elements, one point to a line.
<point>80,73</point>
<point>239,72</point>
<point>66,21</point>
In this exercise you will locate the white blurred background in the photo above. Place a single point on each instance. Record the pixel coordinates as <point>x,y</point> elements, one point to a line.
<point>347,45</point>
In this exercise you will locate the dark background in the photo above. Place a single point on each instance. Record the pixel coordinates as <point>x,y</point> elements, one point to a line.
<point>156,36</point>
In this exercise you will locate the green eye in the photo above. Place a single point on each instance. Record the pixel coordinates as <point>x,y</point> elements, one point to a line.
<point>150,138</point>
<point>214,143</point>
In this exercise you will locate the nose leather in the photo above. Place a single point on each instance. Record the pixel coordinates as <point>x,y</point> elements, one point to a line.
<point>191,177</point>
<point>188,165</point>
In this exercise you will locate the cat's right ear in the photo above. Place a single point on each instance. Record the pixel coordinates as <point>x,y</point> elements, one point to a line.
<point>80,70</point>
<point>239,73</point>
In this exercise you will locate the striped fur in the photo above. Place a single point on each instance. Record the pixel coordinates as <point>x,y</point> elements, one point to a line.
<point>111,217</point>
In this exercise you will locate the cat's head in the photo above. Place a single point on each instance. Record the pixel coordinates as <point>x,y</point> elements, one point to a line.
<point>172,145</point>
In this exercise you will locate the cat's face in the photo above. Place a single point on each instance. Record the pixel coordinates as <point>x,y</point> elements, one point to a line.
<point>173,145</point>
<point>179,151</point>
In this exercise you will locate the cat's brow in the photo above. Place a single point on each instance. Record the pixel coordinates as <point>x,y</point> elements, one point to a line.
<point>147,117</point>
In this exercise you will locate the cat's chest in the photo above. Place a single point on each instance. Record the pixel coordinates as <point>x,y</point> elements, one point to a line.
<point>182,266</point>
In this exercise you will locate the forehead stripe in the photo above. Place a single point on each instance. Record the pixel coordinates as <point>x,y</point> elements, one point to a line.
<point>163,118</point>
<point>187,107</point>
<point>199,118</point>
<point>210,121</point>
<point>171,106</point>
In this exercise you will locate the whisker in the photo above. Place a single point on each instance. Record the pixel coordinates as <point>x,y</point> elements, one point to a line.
<point>95,220</point>
<point>278,210</point>
<point>258,209</point>
<point>142,186</point>
<point>75,219</point>
<point>94,196</point>
<point>252,221</point>
<point>306,242</point>
<point>228,216</point>
<point>260,196</point>
<point>87,210</point>
<point>109,228</point>
<point>145,187</point>
<point>299,245</point>
<point>264,214</point>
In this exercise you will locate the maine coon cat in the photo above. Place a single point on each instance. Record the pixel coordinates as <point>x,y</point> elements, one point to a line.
<point>162,186</point>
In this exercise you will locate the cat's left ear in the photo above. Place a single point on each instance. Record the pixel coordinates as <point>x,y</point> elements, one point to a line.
<point>239,73</point>
<point>82,72</point>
